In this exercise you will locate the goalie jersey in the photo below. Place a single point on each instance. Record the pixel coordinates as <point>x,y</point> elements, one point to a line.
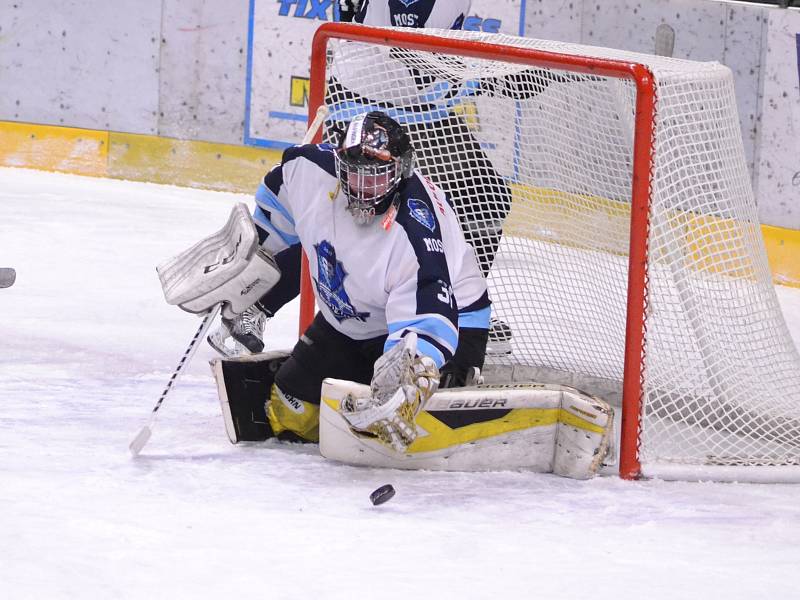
<point>441,14</point>
<point>369,280</point>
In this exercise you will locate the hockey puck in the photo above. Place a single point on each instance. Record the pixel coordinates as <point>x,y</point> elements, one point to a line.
<point>382,494</point>
<point>7,277</point>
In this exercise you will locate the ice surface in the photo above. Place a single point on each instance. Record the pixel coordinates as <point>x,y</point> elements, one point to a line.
<point>87,345</point>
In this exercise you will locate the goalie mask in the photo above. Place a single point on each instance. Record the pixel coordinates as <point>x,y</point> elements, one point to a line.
<point>373,158</point>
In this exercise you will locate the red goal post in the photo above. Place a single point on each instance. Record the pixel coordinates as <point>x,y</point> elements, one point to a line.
<point>652,145</point>
<point>643,152</point>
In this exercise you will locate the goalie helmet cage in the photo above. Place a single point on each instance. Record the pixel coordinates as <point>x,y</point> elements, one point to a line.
<point>631,260</point>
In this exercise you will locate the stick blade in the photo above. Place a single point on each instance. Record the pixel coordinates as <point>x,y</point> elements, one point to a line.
<point>140,440</point>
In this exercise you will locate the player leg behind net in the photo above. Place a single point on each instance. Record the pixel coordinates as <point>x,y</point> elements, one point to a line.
<point>451,156</point>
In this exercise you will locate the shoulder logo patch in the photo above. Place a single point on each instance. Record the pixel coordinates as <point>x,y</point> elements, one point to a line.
<point>420,213</point>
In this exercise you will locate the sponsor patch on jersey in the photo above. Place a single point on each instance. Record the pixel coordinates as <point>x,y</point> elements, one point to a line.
<point>434,192</point>
<point>330,284</point>
<point>420,213</point>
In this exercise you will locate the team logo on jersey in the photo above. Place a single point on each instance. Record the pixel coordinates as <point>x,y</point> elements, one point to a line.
<point>420,213</point>
<point>330,284</point>
<point>408,3</point>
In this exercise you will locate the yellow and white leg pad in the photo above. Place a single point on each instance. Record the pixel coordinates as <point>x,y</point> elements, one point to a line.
<point>537,427</point>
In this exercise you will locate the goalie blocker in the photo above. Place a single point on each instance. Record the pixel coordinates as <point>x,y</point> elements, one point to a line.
<point>243,385</point>
<point>228,268</point>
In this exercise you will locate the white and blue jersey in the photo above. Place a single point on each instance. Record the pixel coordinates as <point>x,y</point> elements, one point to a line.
<point>419,275</point>
<point>444,14</point>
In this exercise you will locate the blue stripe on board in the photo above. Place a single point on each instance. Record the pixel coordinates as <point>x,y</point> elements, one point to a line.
<point>797,37</point>
<point>248,82</point>
<point>275,114</point>
<point>259,143</point>
<point>345,111</point>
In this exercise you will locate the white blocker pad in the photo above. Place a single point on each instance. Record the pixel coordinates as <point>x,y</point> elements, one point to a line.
<point>226,267</point>
<point>537,427</point>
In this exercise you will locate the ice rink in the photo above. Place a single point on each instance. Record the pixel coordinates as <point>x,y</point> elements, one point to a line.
<point>88,344</point>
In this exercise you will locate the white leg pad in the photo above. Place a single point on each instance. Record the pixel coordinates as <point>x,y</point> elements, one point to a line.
<point>580,448</point>
<point>537,427</point>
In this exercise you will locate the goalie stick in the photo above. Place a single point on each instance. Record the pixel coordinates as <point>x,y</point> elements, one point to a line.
<point>141,439</point>
<point>7,277</point>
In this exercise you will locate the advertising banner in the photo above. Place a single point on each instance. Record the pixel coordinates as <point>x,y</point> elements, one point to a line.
<point>279,50</point>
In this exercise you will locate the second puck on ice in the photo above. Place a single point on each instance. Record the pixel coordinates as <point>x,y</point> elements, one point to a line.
<point>382,494</point>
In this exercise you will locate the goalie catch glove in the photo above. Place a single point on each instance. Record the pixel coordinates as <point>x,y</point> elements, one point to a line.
<point>401,384</point>
<point>241,335</point>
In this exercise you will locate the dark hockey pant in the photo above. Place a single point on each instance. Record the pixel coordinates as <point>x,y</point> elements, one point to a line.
<point>322,352</point>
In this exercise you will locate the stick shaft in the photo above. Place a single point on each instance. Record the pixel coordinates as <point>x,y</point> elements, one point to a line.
<point>138,443</point>
<point>187,356</point>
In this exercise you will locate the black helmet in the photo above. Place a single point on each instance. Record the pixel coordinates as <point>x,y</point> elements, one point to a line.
<point>373,157</point>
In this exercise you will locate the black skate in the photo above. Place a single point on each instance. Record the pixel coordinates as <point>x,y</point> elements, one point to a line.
<point>241,335</point>
<point>499,343</point>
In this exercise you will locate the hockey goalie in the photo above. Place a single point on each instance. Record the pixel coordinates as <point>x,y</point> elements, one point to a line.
<point>403,312</point>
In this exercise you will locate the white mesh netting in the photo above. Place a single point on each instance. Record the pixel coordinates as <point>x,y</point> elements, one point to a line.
<point>544,157</point>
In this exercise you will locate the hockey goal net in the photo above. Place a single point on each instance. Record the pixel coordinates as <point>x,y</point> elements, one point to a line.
<point>607,195</point>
